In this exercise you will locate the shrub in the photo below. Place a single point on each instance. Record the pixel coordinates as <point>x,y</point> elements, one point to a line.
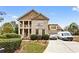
<point>12,35</point>
<point>33,37</point>
<point>10,45</point>
<point>45,37</point>
<point>3,36</point>
<point>39,37</point>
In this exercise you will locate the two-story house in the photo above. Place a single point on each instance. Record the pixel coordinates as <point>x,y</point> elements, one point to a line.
<point>32,23</point>
<point>54,28</point>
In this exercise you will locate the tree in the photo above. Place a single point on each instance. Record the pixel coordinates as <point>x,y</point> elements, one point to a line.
<point>66,28</point>
<point>15,25</point>
<point>73,28</point>
<point>7,28</point>
<point>1,19</point>
<point>16,29</point>
<point>2,13</point>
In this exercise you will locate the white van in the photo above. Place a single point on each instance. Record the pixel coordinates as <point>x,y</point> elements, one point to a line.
<point>65,35</point>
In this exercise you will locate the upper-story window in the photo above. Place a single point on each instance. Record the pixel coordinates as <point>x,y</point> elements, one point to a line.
<point>21,23</point>
<point>30,23</point>
<point>53,27</point>
<point>25,23</point>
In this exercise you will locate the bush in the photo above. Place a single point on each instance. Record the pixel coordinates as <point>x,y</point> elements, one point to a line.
<point>45,37</point>
<point>10,45</point>
<point>3,36</point>
<point>12,35</point>
<point>39,37</point>
<point>33,37</point>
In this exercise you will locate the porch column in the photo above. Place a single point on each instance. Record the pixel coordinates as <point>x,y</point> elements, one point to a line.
<point>28,29</point>
<point>19,28</point>
<point>23,30</point>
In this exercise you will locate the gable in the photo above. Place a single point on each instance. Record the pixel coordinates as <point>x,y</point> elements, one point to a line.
<point>40,17</point>
<point>32,15</point>
<point>54,25</point>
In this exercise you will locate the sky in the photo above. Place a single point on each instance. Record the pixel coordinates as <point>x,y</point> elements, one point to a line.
<point>62,15</point>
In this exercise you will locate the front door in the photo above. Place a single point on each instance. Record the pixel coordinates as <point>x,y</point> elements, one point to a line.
<point>25,32</point>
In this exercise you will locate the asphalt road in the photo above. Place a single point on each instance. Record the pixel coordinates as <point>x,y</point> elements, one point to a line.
<point>59,46</point>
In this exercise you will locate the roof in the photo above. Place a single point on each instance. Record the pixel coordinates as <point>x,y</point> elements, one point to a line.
<point>40,16</point>
<point>58,27</point>
<point>34,15</point>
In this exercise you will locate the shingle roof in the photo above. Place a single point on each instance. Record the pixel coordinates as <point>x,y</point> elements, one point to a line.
<point>40,16</point>
<point>58,27</point>
<point>34,17</point>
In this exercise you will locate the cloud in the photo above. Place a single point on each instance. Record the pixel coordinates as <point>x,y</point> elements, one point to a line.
<point>14,17</point>
<point>76,8</point>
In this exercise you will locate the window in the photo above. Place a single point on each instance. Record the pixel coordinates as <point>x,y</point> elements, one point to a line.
<point>26,32</point>
<point>30,31</point>
<point>37,31</point>
<point>30,23</point>
<point>43,31</point>
<point>20,31</point>
<point>53,27</point>
<point>25,23</point>
<point>66,34</point>
<point>21,23</point>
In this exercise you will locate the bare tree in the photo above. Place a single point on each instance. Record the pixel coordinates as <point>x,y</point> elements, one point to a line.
<point>2,13</point>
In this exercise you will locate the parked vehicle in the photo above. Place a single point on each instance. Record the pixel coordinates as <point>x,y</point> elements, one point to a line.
<point>65,35</point>
<point>2,50</point>
<point>53,37</point>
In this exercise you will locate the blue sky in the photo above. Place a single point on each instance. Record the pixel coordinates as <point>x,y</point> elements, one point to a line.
<point>62,15</point>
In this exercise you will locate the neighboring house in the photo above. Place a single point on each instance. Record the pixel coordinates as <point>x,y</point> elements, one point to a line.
<point>54,28</point>
<point>32,23</point>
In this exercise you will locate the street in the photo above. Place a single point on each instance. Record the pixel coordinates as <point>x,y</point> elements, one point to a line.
<point>59,46</point>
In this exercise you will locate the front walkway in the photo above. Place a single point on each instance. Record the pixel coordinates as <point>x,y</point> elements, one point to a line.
<point>59,46</point>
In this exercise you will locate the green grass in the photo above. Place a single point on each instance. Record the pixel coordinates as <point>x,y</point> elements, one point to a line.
<point>33,47</point>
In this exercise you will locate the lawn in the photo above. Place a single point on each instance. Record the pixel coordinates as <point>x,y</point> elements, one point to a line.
<point>33,46</point>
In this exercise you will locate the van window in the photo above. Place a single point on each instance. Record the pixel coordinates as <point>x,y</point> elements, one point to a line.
<point>65,34</point>
<point>62,34</point>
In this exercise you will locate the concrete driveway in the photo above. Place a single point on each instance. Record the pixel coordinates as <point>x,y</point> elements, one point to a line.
<point>59,46</point>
